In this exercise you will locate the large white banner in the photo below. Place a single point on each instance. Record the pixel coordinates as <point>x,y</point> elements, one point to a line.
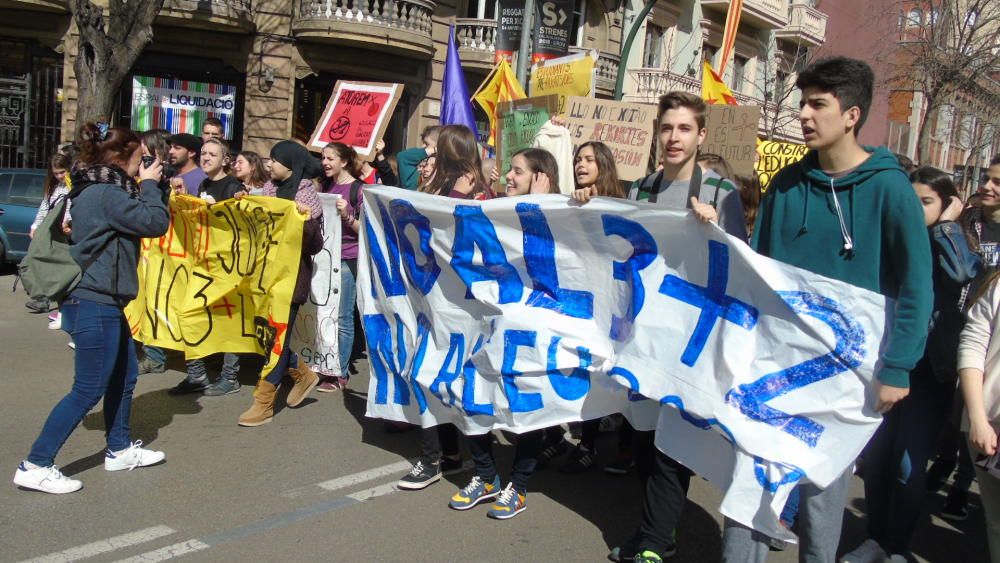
<point>524,313</point>
<point>314,336</point>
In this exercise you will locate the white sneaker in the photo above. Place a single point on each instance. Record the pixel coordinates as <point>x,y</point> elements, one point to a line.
<point>56,323</point>
<point>72,345</point>
<point>132,457</point>
<point>45,479</point>
<point>868,552</point>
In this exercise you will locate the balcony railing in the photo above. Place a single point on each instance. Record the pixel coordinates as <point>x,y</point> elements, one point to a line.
<point>768,14</point>
<point>806,25</point>
<point>651,83</point>
<point>477,41</point>
<point>209,14</point>
<point>606,71</point>
<point>400,26</point>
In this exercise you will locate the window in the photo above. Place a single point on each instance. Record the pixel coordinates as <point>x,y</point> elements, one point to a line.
<point>915,18</point>
<point>4,186</point>
<point>481,9</point>
<point>709,53</point>
<point>579,30</point>
<point>27,189</point>
<point>653,52</point>
<point>739,72</point>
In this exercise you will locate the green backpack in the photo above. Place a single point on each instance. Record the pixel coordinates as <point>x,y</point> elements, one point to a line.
<point>49,270</point>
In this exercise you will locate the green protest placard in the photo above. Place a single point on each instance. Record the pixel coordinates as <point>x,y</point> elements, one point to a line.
<point>517,124</point>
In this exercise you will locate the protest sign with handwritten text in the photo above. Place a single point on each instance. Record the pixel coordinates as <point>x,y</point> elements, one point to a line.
<point>523,313</point>
<point>732,134</point>
<point>572,75</point>
<point>356,115</point>
<point>518,122</point>
<point>315,335</point>
<point>626,128</point>
<point>772,156</point>
<point>221,279</point>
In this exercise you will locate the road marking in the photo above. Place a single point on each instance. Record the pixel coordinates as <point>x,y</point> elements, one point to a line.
<point>176,550</point>
<point>350,480</point>
<point>104,546</point>
<point>277,521</point>
<point>374,492</point>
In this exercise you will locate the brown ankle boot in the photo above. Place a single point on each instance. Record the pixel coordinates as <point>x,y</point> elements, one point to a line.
<point>305,380</point>
<point>262,409</point>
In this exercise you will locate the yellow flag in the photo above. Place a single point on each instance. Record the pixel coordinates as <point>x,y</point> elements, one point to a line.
<point>500,86</point>
<point>713,89</point>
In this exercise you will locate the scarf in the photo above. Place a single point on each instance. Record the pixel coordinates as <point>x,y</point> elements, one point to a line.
<point>296,158</point>
<point>84,176</point>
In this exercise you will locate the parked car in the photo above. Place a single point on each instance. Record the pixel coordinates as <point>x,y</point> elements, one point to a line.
<point>20,195</point>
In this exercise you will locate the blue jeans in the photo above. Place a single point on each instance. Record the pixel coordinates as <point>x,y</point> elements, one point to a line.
<point>105,367</point>
<point>155,355</point>
<point>345,322</point>
<point>196,370</point>
<point>288,359</point>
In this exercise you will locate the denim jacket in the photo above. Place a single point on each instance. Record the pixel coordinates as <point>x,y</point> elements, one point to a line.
<point>955,265</point>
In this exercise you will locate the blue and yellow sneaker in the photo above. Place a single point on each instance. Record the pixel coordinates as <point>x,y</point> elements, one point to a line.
<point>509,504</point>
<point>474,493</point>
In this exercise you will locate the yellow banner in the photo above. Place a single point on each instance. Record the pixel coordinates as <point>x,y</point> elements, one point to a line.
<point>221,279</point>
<point>565,78</point>
<point>772,156</point>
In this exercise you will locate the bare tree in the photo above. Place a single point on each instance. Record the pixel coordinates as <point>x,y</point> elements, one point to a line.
<point>946,47</point>
<point>778,67</point>
<point>108,48</point>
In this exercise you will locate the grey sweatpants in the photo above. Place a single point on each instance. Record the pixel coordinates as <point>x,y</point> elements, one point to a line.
<point>821,516</point>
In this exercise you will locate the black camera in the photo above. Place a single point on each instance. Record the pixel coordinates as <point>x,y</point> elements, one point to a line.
<point>148,161</point>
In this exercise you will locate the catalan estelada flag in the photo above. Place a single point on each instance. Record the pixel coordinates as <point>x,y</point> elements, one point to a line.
<point>713,89</point>
<point>500,86</point>
<point>729,35</point>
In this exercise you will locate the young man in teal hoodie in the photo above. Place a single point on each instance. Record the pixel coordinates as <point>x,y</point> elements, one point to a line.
<point>847,212</point>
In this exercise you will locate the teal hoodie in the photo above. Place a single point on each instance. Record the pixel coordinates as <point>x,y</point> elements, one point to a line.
<point>798,223</point>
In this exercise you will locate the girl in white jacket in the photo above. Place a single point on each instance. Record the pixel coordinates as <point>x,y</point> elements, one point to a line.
<point>979,375</point>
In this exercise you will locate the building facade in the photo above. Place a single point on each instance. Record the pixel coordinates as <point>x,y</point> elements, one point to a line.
<point>282,58</point>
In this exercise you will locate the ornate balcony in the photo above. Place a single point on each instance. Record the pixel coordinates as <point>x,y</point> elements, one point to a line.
<point>392,26</point>
<point>229,15</point>
<point>606,70</point>
<point>477,42</point>
<point>651,83</point>
<point>806,25</point>
<point>766,14</point>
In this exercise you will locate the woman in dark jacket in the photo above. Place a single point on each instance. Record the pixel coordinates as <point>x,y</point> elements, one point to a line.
<point>110,214</point>
<point>292,173</point>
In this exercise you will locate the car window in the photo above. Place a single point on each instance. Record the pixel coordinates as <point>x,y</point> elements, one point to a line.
<point>4,185</point>
<point>27,189</point>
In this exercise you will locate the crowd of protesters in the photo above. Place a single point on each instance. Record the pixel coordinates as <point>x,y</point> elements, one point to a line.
<point>852,213</point>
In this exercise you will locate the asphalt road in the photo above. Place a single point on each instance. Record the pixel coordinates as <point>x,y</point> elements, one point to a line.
<point>315,484</point>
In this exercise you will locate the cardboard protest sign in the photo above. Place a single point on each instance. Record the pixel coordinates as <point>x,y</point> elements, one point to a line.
<point>732,134</point>
<point>566,76</point>
<point>221,279</point>
<point>356,115</point>
<point>626,128</point>
<point>527,312</point>
<point>315,335</point>
<point>772,156</point>
<point>518,122</point>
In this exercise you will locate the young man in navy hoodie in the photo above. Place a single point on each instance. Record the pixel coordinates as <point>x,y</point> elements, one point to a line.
<point>847,212</point>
